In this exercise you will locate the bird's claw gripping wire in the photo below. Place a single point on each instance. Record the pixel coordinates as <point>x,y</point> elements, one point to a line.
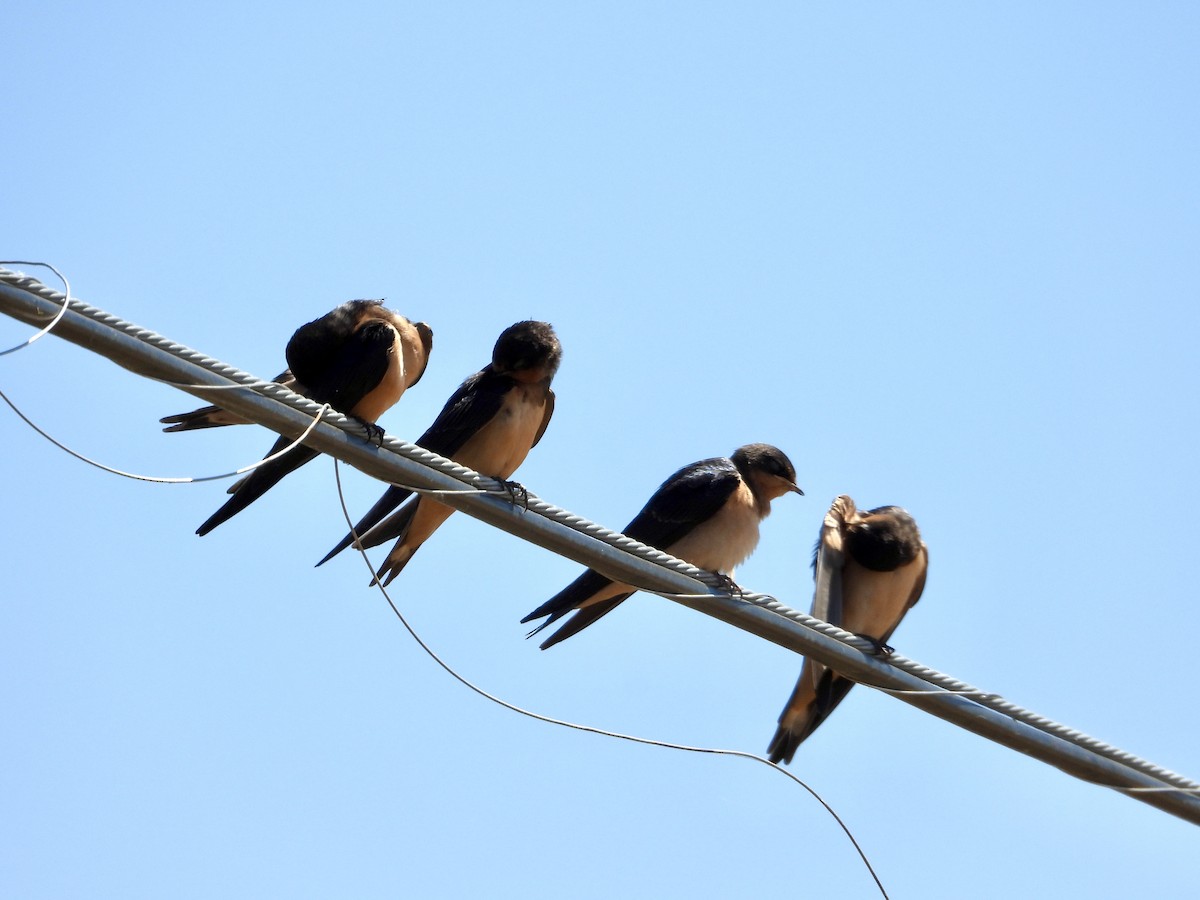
<point>517,493</point>
<point>728,585</point>
<point>375,433</point>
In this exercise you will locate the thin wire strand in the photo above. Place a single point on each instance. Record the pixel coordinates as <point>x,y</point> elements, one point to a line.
<point>62,310</point>
<point>979,695</point>
<point>165,480</point>
<point>550,720</point>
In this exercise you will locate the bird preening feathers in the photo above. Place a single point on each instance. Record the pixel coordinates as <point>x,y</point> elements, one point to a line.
<point>359,358</point>
<point>869,570</point>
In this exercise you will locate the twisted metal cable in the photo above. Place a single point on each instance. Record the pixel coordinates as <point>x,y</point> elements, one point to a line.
<point>477,482</point>
<point>951,686</point>
<point>62,309</point>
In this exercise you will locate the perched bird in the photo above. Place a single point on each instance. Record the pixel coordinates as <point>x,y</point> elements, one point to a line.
<point>359,358</point>
<point>706,514</point>
<point>489,424</point>
<point>869,570</point>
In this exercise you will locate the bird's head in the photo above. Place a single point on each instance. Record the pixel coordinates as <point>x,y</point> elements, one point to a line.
<point>528,351</point>
<point>767,470</point>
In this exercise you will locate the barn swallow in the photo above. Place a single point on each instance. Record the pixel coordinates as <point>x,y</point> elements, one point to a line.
<point>706,514</point>
<point>359,358</point>
<point>869,569</point>
<point>489,424</point>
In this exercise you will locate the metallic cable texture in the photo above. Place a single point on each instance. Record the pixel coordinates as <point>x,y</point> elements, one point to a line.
<point>54,319</point>
<point>952,687</point>
<point>943,684</point>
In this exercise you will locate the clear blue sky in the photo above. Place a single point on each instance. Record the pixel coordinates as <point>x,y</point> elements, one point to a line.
<point>944,255</point>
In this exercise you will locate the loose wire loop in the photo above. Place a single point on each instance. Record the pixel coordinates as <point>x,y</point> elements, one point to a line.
<point>34,286</point>
<point>155,479</point>
<point>62,309</point>
<point>550,720</point>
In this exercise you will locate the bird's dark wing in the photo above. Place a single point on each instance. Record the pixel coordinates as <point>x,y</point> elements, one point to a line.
<point>341,357</point>
<point>338,358</point>
<point>394,526</point>
<point>400,522</point>
<point>830,689</point>
<point>827,574</point>
<point>568,599</point>
<point>390,499</point>
<point>582,618</point>
<point>259,481</point>
<point>338,375</point>
<point>469,408</point>
<point>691,496</point>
